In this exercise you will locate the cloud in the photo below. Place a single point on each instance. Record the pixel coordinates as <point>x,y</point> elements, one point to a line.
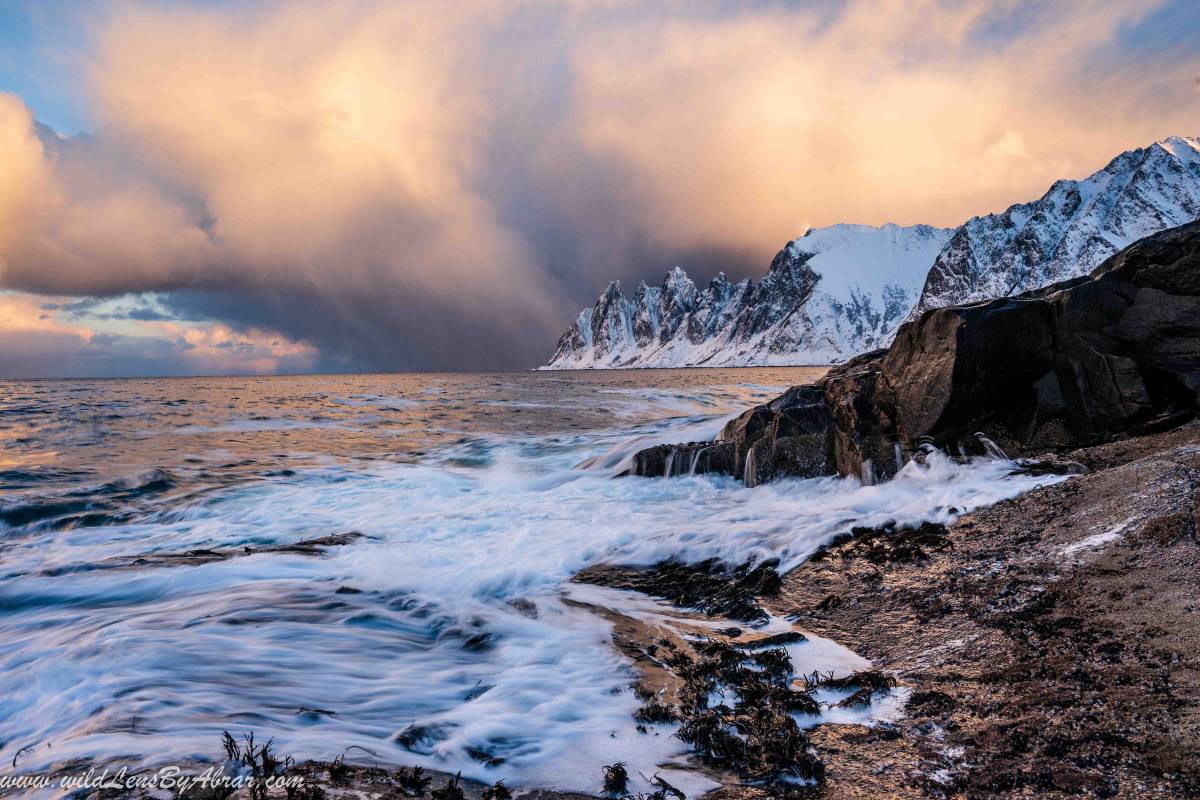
<point>887,111</point>
<point>430,185</point>
<point>40,339</point>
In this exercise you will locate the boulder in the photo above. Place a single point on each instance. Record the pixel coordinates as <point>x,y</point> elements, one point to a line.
<point>1072,364</point>
<point>786,435</point>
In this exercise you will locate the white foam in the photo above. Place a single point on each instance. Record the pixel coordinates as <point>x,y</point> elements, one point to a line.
<point>157,662</point>
<point>1096,540</point>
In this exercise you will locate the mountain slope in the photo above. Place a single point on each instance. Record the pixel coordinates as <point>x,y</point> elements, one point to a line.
<point>1071,229</point>
<point>832,293</point>
<point>839,291</point>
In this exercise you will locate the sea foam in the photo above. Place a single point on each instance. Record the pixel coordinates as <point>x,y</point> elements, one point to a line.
<point>451,625</point>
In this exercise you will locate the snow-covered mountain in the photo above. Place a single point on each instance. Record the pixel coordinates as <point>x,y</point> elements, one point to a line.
<point>828,295</point>
<point>839,291</point>
<point>1071,229</point>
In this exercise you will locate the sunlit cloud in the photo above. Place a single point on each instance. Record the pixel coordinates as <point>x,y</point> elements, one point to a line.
<point>43,337</point>
<point>429,185</point>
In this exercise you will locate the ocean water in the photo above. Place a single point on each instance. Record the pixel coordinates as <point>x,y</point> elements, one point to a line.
<point>451,618</point>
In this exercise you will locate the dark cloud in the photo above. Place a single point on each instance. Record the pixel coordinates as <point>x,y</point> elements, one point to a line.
<point>426,186</point>
<point>375,332</point>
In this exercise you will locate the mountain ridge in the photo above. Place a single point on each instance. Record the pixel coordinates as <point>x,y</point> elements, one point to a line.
<point>845,289</point>
<point>794,315</point>
<point>1070,229</point>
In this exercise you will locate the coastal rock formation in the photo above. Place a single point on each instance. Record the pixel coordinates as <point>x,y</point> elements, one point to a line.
<point>1077,363</point>
<point>840,291</point>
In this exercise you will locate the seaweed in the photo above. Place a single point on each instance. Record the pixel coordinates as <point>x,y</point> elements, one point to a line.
<point>497,791</point>
<point>616,779</point>
<point>665,789</point>
<point>774,640</point>
<point>871,679</point>
<point>757,737</point>
<point>930,703</point>
<point>709,586</point>
<point>413,781</point>
<point>656,711</point>
<point>339,771</point>
<point>259,758</point>
<point>860,699</point>
<point>451,791</point>
<point>710,733</point>
<point>891,545</point>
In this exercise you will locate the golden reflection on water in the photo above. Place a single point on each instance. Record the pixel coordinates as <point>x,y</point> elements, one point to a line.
<point>229,425</point>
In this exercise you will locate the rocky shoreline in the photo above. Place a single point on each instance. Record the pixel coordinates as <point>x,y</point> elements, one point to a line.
<point>1049,644</point>
<point>1052,642</point>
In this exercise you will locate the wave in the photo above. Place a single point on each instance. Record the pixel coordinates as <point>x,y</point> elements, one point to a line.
<point>453,617</point>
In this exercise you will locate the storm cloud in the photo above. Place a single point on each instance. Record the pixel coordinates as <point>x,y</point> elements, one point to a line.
<point>426,185</point>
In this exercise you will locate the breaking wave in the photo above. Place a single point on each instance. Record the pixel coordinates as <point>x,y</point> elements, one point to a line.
<point>446,635</point>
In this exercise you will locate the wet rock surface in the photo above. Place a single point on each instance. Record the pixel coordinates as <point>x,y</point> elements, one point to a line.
<point>693,458</point>
<point>708,586</point>
<point>1077,363</point>
<point>1053,644</point>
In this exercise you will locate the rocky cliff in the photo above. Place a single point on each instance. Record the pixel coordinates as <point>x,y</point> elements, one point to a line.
<point>1079,362</point>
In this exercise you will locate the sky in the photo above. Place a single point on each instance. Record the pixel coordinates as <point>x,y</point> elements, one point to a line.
<point>290,186</point>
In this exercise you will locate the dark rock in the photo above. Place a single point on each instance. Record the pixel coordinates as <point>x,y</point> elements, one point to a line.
<point>863,434</point>
<point>693,458</point>
<point>709,585</point>
<point>1073,364</point>
<point>788,436</point>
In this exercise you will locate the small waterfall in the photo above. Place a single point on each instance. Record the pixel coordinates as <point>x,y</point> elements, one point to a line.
<point>695,460</point>
<point>749,473</point>
<point>991,447</point>
<point>899,457</point>
<point>868,472</point>
<point>669,462</point>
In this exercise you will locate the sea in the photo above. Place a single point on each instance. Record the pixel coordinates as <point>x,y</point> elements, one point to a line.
<point>151,596</point>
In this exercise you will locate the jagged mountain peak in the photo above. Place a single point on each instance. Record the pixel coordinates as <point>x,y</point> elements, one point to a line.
<point>1181,147</point>
<point>843,289</point>
<point>816,293</point>
<point>612,291</point>
<point>1070,229</point>
<point>678,283</point>
<point>676,275</point>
